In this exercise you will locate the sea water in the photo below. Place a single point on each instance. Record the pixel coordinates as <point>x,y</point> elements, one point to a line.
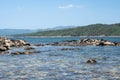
<point>52,63</point>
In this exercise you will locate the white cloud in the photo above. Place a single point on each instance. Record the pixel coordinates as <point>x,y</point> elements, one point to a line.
<point>66,6</point>
<point>69,6</point>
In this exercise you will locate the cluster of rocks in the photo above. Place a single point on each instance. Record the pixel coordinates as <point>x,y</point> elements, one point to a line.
<point>6,44</point>
<point>84,42</point>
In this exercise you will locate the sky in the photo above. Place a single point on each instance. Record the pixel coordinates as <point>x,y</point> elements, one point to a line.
<point>42,14</point>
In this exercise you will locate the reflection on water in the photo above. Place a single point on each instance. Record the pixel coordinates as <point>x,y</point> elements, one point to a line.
<point>54,64</point>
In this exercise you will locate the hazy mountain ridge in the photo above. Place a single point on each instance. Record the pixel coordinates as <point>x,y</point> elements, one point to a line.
<point>4,32</point>
<point>56,28</point>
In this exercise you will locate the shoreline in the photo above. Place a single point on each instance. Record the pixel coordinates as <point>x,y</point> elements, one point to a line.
<point>55,36</point>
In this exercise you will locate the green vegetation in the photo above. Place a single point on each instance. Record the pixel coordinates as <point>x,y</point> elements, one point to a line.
<point>90,30</point>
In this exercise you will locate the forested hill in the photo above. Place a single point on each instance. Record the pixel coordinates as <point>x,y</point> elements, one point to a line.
<point>90,30</point>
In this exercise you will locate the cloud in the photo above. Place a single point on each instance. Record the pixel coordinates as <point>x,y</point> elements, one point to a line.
<point>69,6</point>
<point>66,6</point>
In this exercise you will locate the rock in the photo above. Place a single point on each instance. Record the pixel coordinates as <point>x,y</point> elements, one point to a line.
<point>8,42</point>
<point>117,44</point>
<point>29,48</point>
<point>39,44</point>
<point>109,43</point>
<point>3,48</point>
<point>4,52</point>
<point>24,42</point>
<point>7,47</point>
<point>28,52</point>
<point>24,53</point>
<point>100,44</point>
<point>18,53</point>
<point>20,43</point>
<point>91,61</point>
<point>68,41</point>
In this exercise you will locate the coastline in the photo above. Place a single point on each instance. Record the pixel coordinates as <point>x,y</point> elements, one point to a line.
<point>56,36</point>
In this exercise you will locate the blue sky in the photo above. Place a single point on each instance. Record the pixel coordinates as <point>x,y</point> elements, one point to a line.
<point>41,14</point>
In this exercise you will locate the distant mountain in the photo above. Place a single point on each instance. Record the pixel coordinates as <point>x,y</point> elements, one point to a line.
<point>56,28</point>
<point>4,32</point>
<point>89,30</point>
<point>61,27</point>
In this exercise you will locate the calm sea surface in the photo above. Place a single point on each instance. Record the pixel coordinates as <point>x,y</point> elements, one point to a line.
<point>52,63</point>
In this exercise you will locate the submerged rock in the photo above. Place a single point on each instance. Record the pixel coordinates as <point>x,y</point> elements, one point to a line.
<point>91,61</point>
<point>39,44</point>
<point>70,49</point>
<point>29,48</point>
<point>4,52</point>
<point>24,53</point>
<point>18,53</point>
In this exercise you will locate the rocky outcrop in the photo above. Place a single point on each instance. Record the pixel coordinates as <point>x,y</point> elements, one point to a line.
<point>84,42</point>
<point>6,44</point>
<point>17,43</point>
